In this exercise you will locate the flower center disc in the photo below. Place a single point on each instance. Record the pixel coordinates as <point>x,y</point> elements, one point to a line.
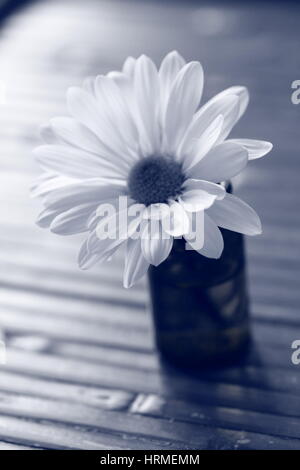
<point>155,179</point>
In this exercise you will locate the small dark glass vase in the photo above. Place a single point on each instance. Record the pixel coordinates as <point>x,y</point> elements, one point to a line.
<point>200,305</point>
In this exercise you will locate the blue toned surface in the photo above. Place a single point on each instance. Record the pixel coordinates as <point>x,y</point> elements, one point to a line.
<point>81,369</point>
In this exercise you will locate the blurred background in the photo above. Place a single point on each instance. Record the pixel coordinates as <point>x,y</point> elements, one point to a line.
<point>79,338</point>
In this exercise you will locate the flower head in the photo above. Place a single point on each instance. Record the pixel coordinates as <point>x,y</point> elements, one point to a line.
<point>140,133</point>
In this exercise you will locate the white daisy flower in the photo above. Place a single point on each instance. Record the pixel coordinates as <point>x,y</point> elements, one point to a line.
<point>140,133</point>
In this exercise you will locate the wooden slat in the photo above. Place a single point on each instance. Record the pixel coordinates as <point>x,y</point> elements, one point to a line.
<point>126,335</point>
<point>9,446</point>
<point>188,435</point>
<point>239,397</point>
<point>102,398</point>
<point>83,309</point>
<point>77,330</point>
<point>56,436</point>
<point>169,383</point>
<point>42,280</point>
<point>81,369</point>
<point>262,355</point>
<point>152,405</point>
<point>274,274</point>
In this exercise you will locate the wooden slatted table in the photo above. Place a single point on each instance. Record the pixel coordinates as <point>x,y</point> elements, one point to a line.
<point>81,370</point>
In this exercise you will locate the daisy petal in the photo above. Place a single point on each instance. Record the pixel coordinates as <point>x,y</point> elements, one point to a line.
<point>125,80</point>
<point>200,147</point>
<point>48,136</point>
<point>73,132</point>
<point>240,91</point>
<point>177,224</point>
<point>90,191</point>
<point>222,163</point>
<point>110,97</point>
<point>45,217</point>
<point>234,214</point>
<point>73,221</point>
<point>89,85</point>
<point>118,227</point>
<point>196,200</point>
<point>156,245</point>
<point>85,109</point>
<point>87,259</point>
<point>118,77</point>
<point>128,66</point>
<point>96,245</point>
<point>157,211</point>
<point>243,95</point>
<point>226,107</point>
<point>255,148</point>
<point>168,70</point>
<point>231,103</point>
<point>76,163</point>
<point>136,265</point>
<point>48,182</point>
<point>236,113</point>
<point>65,130</point>
<point>183,101</point>
<point>146,87</point>
<point>213,239</point>
<point>97,251</point>
<point>211,188</point>
<point>125,85</point>
<point>195,235</point>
